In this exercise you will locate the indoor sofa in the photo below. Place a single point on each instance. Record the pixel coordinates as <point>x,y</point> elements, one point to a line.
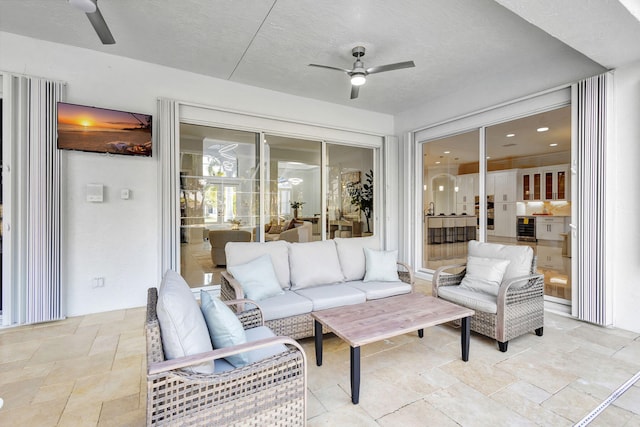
<point>311,276</point>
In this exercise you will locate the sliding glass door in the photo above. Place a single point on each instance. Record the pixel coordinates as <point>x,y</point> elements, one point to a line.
<point>219,191</point>
<point>512,181</point>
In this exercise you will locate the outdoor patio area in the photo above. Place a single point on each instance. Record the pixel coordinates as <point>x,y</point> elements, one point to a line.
<point>90,370</point>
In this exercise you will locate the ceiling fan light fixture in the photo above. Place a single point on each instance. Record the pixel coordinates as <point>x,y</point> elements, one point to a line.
<point>87,6</point>
<point>358,79</point>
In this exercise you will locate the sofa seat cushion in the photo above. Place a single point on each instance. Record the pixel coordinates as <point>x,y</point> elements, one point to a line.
<point>377,290</point>
<point>254,334</point>
<point>242,252</point>
<point>330,296</point>
<point>351,255</point>
<point>314,264</point>
<point>285,305</point>
<point>478,301</point>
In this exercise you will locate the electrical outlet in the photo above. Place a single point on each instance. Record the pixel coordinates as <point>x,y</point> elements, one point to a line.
<point>98,282</point>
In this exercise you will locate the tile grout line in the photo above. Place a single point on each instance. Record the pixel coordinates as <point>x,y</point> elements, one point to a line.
<point>608,401</point>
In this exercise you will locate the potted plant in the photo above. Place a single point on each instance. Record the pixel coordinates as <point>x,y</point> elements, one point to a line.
<point>362,196</point>
<point>295,206</point>
<point>235,223</point>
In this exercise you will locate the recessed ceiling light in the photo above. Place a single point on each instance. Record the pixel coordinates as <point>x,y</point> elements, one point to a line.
<point>488,157</point>
<point>543,129</point>
<point>447,152</point>
<point>511,135</point>
<point>553,145</point>
<point>437,163</point>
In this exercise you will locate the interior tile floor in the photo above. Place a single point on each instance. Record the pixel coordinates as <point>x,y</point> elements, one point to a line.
<point>90,370</point>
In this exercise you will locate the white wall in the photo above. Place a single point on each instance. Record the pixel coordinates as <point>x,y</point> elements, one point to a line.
<point>623,178</point>
<point>119,239</point>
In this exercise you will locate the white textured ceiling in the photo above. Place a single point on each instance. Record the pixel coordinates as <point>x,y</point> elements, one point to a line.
<point>268,44</point>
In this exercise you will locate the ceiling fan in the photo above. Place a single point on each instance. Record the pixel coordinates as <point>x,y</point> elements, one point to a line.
<point>359,74</point>
<point>90,7</point>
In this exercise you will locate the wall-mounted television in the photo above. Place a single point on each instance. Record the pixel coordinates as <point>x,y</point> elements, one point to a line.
<point>101,130</point>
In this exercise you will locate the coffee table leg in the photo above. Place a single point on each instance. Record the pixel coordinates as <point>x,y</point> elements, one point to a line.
<point>355,375</point>
<point>465,337</point>
<point>318,340</point>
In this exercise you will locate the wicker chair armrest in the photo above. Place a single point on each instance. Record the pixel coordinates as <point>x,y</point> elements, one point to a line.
<point>231,289</point>
<point>533,289</point>
<point>405,272</point>
<point>442,278</point>
<point>251,314</point>
<point>186,361</point>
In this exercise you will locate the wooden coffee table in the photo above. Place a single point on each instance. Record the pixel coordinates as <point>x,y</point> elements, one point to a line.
<point>377,320</point>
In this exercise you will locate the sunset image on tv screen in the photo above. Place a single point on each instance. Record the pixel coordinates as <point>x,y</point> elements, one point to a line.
<point>103,131</point>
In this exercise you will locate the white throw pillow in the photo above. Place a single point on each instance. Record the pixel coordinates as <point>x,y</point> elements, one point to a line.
<point>314,263</point>
<point>182,326</point>
<point>242,252</point>
<point>484,274</point>
<point>520,256</point>
<point>257,278</point>
<point>225,329</point>
<point>351,255</point>
<point>381,266</point>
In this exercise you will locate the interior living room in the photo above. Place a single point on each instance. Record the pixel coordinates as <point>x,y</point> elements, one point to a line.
<point>425,125</point>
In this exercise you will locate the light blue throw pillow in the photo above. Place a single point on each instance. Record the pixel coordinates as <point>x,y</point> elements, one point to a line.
<point>224,327</point>
<point>257,278</point>
<point>380,266</point>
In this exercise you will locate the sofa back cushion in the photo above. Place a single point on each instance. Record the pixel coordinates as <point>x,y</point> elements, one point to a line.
<point>239,253</point>
<point>182,325</point>
<point>351,255</point>
<point>521,257</point>
<point>314,263</point>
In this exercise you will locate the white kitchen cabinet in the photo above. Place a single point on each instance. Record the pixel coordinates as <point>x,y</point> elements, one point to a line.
<point>466,188</point>
<point>504,185</point>
<point>505,222</point>
<point>550,228</point>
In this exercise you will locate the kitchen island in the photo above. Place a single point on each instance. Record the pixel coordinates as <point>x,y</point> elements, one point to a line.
<point>450,228</point>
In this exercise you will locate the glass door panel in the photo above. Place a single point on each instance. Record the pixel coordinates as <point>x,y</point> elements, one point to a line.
<point>350,191</point>
<point>540,214</point>
<point>219,191</point>
<point>450,198</point>
<point>292,188</point>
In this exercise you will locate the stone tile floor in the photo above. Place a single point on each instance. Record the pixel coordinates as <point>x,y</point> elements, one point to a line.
<point>89,371</point>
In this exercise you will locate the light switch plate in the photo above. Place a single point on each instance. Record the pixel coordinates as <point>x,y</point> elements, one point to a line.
<point>95,193</point>
<point>125,194</point>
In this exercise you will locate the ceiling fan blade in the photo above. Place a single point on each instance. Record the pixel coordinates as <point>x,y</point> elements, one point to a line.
<point>354,91</point>
<point>390,67</point>
<point>100,25</point>
<point>330,68</point>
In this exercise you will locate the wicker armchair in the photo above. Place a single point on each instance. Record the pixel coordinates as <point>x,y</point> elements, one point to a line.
<point>269,392</point>
<point>520,304</point>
